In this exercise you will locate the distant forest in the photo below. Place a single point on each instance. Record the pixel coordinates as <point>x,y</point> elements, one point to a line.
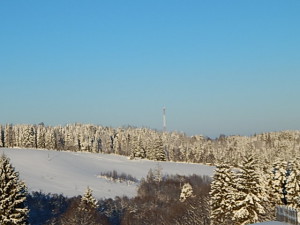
<point>152,144</point>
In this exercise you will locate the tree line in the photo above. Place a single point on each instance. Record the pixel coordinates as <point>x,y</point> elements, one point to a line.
<point>152,144</point>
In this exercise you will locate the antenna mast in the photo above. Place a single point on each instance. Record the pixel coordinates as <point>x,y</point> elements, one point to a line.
<point>164,120</point>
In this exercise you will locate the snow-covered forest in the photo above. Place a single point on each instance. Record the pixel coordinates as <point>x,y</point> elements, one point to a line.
<point>253,174</point>
<point>153,144</point>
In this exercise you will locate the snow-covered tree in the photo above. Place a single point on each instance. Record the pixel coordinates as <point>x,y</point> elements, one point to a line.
<point>157,152</point>
<point>83,211</point>
<point>279,181</point>
<point>41,139</point>
<point>222,195</point>
<point>88,201</point>
<point>138,150</point>
<point>268,196</point>
<point>50,141</point>
<point>28,137</point>
<point>12,195</point>
<point>248,196</point>
<point>9,136</point>
<point>293,184</point>
<point>186,192</point>
<point>1,137</point>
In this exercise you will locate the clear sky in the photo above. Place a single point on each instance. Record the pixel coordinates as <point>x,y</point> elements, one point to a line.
<point>219,67</point>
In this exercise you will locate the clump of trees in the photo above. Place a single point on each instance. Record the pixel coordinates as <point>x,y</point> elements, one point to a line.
<point>159,201</point>
<point>118,177</point>
<point>249,193</point>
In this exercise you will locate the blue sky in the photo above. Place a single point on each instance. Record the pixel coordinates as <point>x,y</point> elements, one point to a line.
<point>219,67</point>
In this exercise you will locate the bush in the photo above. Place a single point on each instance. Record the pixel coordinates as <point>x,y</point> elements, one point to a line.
<point>115,177</point>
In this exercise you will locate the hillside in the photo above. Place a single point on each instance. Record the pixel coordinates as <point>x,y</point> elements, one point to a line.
<point>70,173</point>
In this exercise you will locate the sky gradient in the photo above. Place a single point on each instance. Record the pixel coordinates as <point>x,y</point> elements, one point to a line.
<point>219,67</point>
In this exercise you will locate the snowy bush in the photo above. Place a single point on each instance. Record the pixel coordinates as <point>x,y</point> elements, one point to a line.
<point>115,177</point>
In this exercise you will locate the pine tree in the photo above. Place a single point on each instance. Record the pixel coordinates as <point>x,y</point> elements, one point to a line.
<point>1,137</point>
<point>41,132</point>
<point>266,175</point>
<point>186,192</point>
<point>248,198</point>
<point>9,136</point>
<point>137,149</point>
<point>157,152</point>
<point>28,137</point>
<point>293,185</point>
<point>12,195</point>
<point>88,201</point>
<point>279,181</point>
<point>222,195</point>
<point>50,141</point>
<point>83,211</point>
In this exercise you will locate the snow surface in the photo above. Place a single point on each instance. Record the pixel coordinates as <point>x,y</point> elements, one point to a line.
<point>69,173</point>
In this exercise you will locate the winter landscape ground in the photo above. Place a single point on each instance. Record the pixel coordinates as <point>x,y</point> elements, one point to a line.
<point>70,173</point>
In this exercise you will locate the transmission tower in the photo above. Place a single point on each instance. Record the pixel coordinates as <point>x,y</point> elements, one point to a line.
<point>164,120</point>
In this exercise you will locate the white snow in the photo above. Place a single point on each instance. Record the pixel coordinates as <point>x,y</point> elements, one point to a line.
<point>70,173</point>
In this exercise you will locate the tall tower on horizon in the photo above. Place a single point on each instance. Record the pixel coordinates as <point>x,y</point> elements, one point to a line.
<point>164,120</point>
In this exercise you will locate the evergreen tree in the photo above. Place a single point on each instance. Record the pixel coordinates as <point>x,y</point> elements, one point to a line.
<point>222,195</point>
<point>279,182</point>
<point>50,141</point>
<point>157,152</point>
<point>83,211</point>
<point>1,136</point>
<point>293,185</point>
<point>12,195</point>
<point>88,201</point>
<point>138,150</point>
<point>248,198</point>
<point>186,192</point>
<point>41,132</point>
<point>28,137</point>
<point>9,136</point>
<point>268,195</point>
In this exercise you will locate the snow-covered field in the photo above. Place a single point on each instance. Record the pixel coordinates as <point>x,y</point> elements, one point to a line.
<point>70,173</point>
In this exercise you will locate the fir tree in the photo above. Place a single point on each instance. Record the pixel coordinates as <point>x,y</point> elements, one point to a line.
<point>186,192</point>
<point>293,184</point>
<point>50,141</point>
<point>137,149</point>
<point>28,137</point>
<point>88,201</point>
<point>158,152</point>
<point>12,195</point>
<point>222,193</point>
<point>279,182</point>
<point>248,198</point>
<point>41,132</point>
<point>9,136</point>
<point>268,195</point>
<point>1,136</point>
<point>83,211</point>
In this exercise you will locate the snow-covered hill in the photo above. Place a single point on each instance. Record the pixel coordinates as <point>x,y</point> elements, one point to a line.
<point>70,173</point>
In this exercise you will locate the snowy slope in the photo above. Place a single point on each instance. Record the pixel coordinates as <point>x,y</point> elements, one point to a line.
<point>70,173</point>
